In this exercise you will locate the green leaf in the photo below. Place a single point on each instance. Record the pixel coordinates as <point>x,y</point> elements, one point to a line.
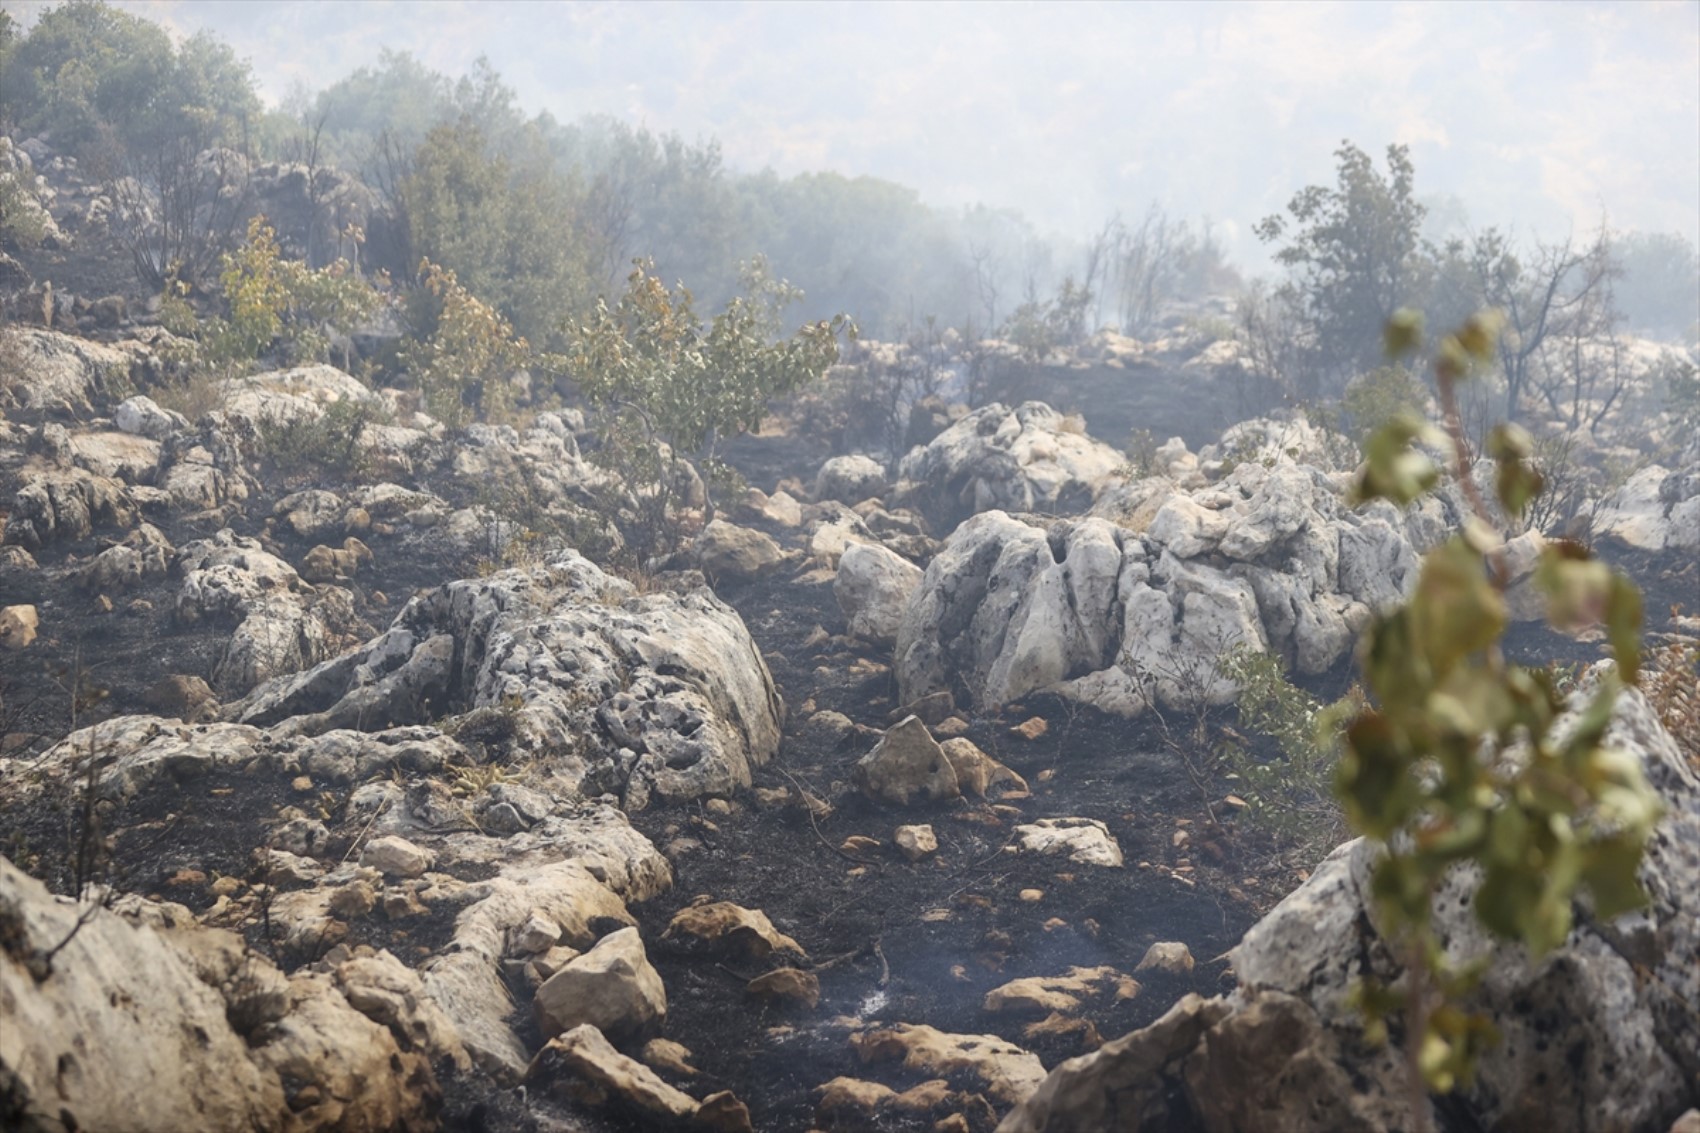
<point>1403,333</point>
<point>1393,469</point>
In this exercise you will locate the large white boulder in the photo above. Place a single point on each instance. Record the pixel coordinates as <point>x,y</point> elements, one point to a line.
<point>873,586</point>
<point>657,693</point>
<point>1030,458</point>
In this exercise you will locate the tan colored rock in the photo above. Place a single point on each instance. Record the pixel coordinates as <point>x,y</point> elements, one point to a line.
<point>17,626</point>
<point>613,988</point>
<point>388,992</point>
<point>1031,728</point>
<point>1084,840</point>
<point>1005,1073</point>
<point>727,551</point>
<point>669,1056</point>
<point>916,842</point>
<point>729,930</point>
<point>1041,995</point>
<point>977,772</point>
<point>394,856</point>
<point>1169,956</point>
<point>722,1112</point>
<point>906,766</point>
<point>844,1098</point>
<point>585,1067</point>
<point>188,698</point>
<point>786,987</point>
<point>329,564</point>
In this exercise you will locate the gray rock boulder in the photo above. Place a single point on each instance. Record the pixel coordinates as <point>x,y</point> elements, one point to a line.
<point>873,586</point>
<point>658,693</point>
<point>1138,604</point>
<point>850,479</point>
<point>142,1019</point>
<point>1030,458</point>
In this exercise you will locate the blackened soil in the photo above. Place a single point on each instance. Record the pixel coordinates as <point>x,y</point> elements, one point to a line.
<point>925,942</point>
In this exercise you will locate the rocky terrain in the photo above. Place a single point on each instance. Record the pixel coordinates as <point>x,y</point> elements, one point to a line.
<point>342,789</point>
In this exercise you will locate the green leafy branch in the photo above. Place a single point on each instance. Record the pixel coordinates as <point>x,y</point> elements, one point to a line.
<point>1458,762</point>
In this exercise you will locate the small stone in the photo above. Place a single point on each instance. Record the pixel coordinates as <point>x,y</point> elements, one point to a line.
<point>394,856</point>
<point>722,1112</point>
<point>786,986</point>
<point>670,1057</point>
<point>1032,896</point>
<point>951,727</point>
<point>301,784</point>
<point>17,626</point>
<point>402,901</point>
<point>225,886</point>
<point>1169,956</point>
<point>1031,728</point>
<point>102,604</point>
<point>538,934</point>
<point>916,842</point>
<point>355,899</point>
<point>860,845</point>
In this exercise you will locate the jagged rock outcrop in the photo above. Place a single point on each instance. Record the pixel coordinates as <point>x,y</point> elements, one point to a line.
<point>1658,509</point>
<point>282,624</point>
<point>1030,458</point>
<point>1139,601</point>
<point>662,692</point>
<point>1600,1035</point>
<point>137,1018</point>
<point>61,375</point>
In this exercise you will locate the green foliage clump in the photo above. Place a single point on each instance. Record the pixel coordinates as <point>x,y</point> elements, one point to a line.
<point>316,447</point>
<point>464,364</point>
<point>1458,763</point>
<point>1380,395</point>
<point>1289,797</point>
<point>505,223</point>
<point>671,387</point>
<point>103,82</point>
<point>271,303</point>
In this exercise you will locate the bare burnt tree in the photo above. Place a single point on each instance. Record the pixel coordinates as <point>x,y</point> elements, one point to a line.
<point>178,208</point>
<point>986,284</point>
<point>1149,270</point>
<point>1559,291</point>
<point>305,150</point>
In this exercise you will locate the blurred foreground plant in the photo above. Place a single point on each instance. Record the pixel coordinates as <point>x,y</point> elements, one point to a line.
<point>1458,763</point>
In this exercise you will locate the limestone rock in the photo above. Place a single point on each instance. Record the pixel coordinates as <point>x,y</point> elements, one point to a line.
<point>209,1035</point>
<point>584,1066</point>
<point>1030,458</point>
<point>906,766</point>
<point>873,586</point>
<point>1006,1073</point>
<point>613,987</point>
<point>395,857</point>
<point>1168,956</point>
<point>1041,995</point>
<point>729,930</point>
<point>143,417</point>
<point>17,626</point>
<point>1084,840</point>
<point>916,842</point>
<point>662,693</point>
<point>786,987</point>
<point>849,479</point>
<point>977,772</point>
<point>736,554</point>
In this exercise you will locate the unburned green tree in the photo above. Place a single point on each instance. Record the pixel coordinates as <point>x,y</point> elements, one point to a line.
<point>1356,255</point>
<point>671,386</point>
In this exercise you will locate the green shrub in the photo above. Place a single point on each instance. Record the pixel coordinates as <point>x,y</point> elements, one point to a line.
<point>1289,797</point>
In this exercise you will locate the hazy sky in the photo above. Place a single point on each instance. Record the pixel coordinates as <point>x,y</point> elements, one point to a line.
<point>1537,114</point>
